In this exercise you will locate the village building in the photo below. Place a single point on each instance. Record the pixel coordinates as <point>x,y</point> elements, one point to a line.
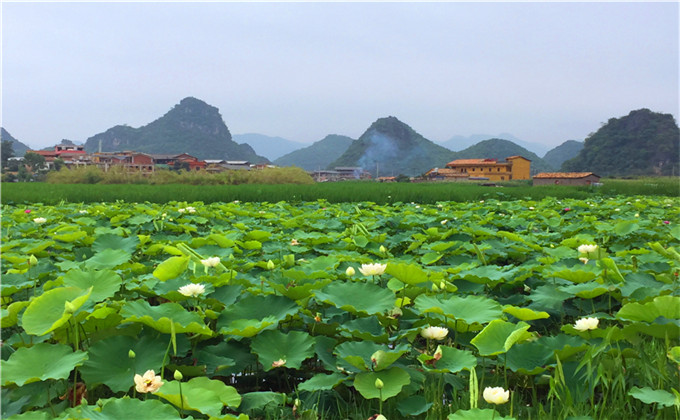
<point>71,154</point>
<point>513,168</point>
<point>566,178</point>
<point>131,161</point>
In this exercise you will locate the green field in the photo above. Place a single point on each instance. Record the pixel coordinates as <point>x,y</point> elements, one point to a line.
<point>308,310</point>
<point>337,192</point>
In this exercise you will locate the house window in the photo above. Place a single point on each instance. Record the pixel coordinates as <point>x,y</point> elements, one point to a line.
<point>498,169</point>
<point>502,178</point>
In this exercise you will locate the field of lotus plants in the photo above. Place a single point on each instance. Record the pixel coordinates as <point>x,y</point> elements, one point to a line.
<point>544,309</point>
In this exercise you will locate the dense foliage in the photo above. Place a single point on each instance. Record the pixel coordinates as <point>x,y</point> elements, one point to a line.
<point>322,310</point>
<point>319,155</point>
<point>641,143</point>
<point>192,126</point>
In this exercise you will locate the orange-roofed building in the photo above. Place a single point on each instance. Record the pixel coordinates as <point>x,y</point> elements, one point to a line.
<point>566,178</point>
<point>514,167</point>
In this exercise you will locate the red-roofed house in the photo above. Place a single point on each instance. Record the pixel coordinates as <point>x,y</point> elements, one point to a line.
<point>514,167</point>
<point>566,178</point>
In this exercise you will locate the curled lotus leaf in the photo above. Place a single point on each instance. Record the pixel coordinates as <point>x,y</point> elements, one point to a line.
<point>166,317</point>
<point>49,311</point>
<point>499,336</point>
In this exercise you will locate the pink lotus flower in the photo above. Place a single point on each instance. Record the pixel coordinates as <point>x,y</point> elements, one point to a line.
<point>567,209</point>
<point>666,222</point>
<point>27,211</point>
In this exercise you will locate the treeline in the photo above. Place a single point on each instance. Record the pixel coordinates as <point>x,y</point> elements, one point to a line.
<point>119,175</point>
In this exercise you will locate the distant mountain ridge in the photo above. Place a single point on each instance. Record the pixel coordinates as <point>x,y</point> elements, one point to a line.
<point>318,155</point>
<point>192,126</point>
<point>560,154</point>
<point>270,147</point>
<point>640,143</point>
<point>389,147</point>
<point>18,147</point>
<point>458,143</point>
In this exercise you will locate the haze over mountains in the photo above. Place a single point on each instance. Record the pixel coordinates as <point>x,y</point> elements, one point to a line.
<point>643,142</point>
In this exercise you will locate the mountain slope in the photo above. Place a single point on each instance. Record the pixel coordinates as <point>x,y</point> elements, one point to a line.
<point>641,143</point>
<point>267,146</point>
<point>389,148</point>
<point>19,148</point>
<point>317,156</point>
<point>459,143</point>
<point>501,149</point>
<point>192,127</point>
<point>565,151</point>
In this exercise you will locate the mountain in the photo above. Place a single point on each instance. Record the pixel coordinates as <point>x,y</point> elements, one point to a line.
<point>269,147</point>
<point>18,147</point>
<point>192,127</point>
<point>458,143</point>
<point>565,151</point>
<point>501,149</point>
<point>641,143</point>
<point>390,148</point>
<point>317,156</point>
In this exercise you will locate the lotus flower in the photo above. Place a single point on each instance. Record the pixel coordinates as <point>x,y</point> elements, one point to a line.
<point>278,363</point>
<point>39,220</point>
<point>587,248</point>
<point>211,262</point>
<point>192,289</point>
<point>496,395</point>
<point>585,324</point>
<point>148,382</point>
<point>350,271</point>
<point>436,333</point>
<point>372,269</point>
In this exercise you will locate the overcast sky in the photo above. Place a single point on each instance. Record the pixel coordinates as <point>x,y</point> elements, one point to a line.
<point>545,72</point>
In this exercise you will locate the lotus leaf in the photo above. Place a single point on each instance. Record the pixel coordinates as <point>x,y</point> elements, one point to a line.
<point>48,311</point>
<point>171,268</point>
<point>499,336</point>
<point>528,358</point>
<point>130,408</point>
<point>654,396</point>
<point>477,414</point>
<point>410,274</point>
<point>104,283</point>
<point>360,354</point>
<point>451,360</point>
<point>367,328</point>
<point>291,348</point>
<point>393,380</point>
<point>41,362</point>
<point>253,313</point>
<point>108,258</point>
<point>662,306</point>
<point>166,317</point>
<point>413,406</point>
<point>357,297</point>
<point>322,382</point>
<point>110,241</point>
<point>471,309</point>
<point>207,396</point>
<point>525,314</point>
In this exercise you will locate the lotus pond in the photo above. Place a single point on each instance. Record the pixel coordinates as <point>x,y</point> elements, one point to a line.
<point>546,309</point>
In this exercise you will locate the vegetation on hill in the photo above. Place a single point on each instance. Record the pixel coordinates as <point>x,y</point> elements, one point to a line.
<point>18,148</point>
<point>389,148</point>
<point>565,151</point>
<point>268,146</point>
<point>192,126</point>
<point>501,149</point>
<point>641,143</point>
<point>317,156</point>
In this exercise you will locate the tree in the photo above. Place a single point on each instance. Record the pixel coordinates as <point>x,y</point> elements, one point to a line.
<point>7,151</point>
<point>34,161</point>
<point>58,164</point>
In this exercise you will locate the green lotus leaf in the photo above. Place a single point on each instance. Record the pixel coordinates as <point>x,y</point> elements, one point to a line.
<point>549,298</point>
<point>575,276</point>
<point>70,237</point>
<point>322,382</point>
<point>254,313</point>
<point>367,328</point>
<point>413,406</point>
<point>108,258</point>
<point>291,348</point>
<point>357,297</point>
<point>564,346</point>
<point>589,290</point>
<point>410,274</point>
<point>299,291</point>
<point>207,396</point>
<point>32,415</point>
<point>525,314</point>
<point>499,336</point>
<point>360,354</point>
<point>217,357</point>
<point>452,360</point>
<point>477,414</point>
<point>13,282</point>
<point>111,241</point>
<point>41,362</point>
<point>674,354</point>
<point>171,268</point>
<point>130,408</point>
<point>48,311</point>
<point>260,400</point>
<point>394,379</point>
<point>471,309</point>
<point>662,306</point>
<point>163,316</point>
<point>10,315</point>
<point>654,396</point>
<point>109,362</point>
<point>625,227</point>
<point>528,358</point>
<point>104,283</point>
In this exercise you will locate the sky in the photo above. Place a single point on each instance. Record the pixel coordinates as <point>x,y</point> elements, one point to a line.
<point>545,72</point>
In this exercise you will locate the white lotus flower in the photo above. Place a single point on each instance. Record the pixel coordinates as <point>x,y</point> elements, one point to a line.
<point>496,395</point>
<point>39,220</point>
<point>372,269</point>
<point>149,382</point>
<point>434,333</point>
<point>181,210</point>
<point>191,209</point>
<point>585,324</point>
<point>350,271</point>
<point>192,289</point>
<point>211,262</point>
<point>587,248</point>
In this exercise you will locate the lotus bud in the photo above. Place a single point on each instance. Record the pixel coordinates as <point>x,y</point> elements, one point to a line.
<point>350,271</point>
<point>270,265</point>
<point>379,384</point>
<point>32,260</point>
<point>435,288</point>
<point>69,307</point>
<point>297,403</point>
<point>178,375</point>
<point>383,250</point>
<point>442,286</point>
<point>131,354</point>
